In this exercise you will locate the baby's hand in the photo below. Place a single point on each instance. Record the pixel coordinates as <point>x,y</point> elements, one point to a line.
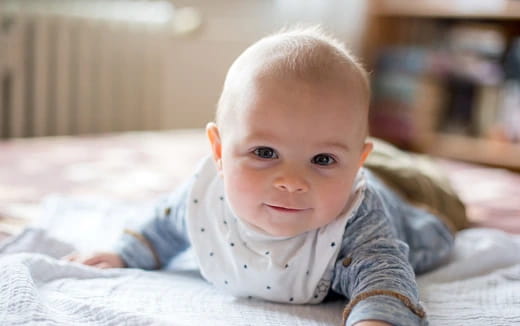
<point>97,259</point>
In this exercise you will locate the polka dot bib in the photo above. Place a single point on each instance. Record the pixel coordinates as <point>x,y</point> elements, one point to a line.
<point>247,262</point>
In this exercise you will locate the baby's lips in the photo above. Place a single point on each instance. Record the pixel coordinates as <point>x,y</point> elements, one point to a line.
<point>286,208</point>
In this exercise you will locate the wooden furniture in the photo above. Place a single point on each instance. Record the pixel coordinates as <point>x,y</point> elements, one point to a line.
<point>424,26</point>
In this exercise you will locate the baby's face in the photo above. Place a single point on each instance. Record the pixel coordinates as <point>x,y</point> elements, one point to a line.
<point>289,155</point>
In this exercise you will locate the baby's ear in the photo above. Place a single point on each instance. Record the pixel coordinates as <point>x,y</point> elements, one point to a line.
<point>367,149</point>
<point>216,145</point>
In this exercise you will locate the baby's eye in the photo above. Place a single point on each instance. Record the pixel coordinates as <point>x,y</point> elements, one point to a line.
<point>265,152</point>
<point>323,159</point>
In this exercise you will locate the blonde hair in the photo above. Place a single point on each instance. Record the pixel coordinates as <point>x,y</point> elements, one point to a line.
<point>307,54</point>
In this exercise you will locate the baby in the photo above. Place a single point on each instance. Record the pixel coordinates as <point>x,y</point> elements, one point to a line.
<point>283,209</point>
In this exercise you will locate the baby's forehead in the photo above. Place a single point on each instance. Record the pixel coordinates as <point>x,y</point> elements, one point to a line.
<point>267,87</point>
<point>268,96</point>
<point>270,80</point>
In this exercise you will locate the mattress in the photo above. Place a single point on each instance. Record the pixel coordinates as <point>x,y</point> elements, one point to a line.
<point>78,193</point>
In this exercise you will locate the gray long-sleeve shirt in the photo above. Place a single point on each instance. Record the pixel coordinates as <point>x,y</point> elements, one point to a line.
<point>383,244</point>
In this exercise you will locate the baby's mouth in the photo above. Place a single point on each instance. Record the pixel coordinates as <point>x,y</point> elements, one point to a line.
<point>286,209</point>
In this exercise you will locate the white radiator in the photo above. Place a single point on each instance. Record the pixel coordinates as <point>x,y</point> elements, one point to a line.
<point>82,66</point>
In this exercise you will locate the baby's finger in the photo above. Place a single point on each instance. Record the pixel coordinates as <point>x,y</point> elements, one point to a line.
<point>102,265</point>
<point>93,260</point>
<point>71,257</point>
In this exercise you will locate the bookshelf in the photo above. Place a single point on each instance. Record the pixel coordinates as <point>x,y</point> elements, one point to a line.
<point>440,77</point>
<point>487,9</point>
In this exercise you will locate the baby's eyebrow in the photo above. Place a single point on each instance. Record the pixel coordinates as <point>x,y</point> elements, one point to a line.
<point>338,145</point>
<point>260,137</point>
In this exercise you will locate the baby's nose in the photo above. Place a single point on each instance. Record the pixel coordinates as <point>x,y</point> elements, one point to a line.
<point>291,183</point>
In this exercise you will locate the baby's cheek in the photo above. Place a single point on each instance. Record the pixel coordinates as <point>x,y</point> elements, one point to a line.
<point>243,191</point>
<point>336,199</point>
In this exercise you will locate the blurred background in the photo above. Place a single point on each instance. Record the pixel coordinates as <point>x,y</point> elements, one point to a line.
<point>445,74</point>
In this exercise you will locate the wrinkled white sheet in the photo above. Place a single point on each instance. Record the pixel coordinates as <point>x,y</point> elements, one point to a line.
<point>480,286</point>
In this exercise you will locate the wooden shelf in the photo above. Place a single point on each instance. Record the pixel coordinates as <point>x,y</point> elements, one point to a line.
<point>404,23</point>
<point>476,150</point>
<point>456,9</point>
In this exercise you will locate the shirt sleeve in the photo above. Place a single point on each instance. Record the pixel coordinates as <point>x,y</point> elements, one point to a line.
<point>373,271</point>
<point>162,237</point>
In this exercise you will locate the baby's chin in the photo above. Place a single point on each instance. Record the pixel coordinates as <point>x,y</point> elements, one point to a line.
<point>285,231</point>
<point>275,231</point>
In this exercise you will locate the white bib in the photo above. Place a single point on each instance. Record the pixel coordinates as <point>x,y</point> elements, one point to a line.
<point>247,262</point>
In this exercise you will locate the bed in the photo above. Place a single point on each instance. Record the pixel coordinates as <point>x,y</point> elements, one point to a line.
<point>64,193</point>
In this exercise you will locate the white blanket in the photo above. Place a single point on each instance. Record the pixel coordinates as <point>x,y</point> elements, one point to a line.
<point>480,286</point>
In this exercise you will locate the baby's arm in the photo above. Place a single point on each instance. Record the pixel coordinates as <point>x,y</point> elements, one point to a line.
<point>163,237</point>
<point>154,244</point>
<point>373,272</point>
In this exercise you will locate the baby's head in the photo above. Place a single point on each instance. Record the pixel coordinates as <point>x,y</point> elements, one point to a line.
<point>290,131</point>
